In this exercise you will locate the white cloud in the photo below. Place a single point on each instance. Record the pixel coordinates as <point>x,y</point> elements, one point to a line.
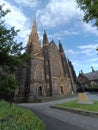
<point>58,12</point>
<point>93,60</point>
<point>87,27</point>
<point>72,52</point>
<point>84,57</point>
<point>89,46</point>
<point>28,3</point>
<point>62,34</point>
<point>66,32</point>
<point>17,19</point>
<point>88,49</point>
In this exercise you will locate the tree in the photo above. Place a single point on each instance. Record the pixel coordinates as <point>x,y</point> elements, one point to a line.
<point>11,56</point>
<point>90,8</point>
<point>8,85</point>
<point>10,51</point>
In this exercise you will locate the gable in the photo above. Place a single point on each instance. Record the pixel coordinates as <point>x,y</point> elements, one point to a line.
<point>82,78</point>
<point>53,46</point>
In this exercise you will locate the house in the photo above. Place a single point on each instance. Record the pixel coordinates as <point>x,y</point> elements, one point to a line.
<point>89,80</point>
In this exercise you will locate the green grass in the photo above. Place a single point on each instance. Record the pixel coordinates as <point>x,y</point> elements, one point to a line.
<point>17,118</point>
<point>74,104</point>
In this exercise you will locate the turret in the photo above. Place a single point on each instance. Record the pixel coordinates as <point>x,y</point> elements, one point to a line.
<point>45,39</point>
<point>64,60</point>
<point>60,47</point>
<point>92,69</point>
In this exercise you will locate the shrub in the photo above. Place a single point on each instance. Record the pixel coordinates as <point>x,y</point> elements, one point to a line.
<point>17,118</point>
<point>8,85</point>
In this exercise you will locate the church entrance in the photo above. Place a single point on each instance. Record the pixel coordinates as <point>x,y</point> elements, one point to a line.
<point>61,89</point>
<point>40,91</point>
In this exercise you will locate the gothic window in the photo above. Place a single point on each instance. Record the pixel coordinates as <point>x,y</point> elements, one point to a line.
<point>39,73</point>
<point>56,68</point>
<point>93,83</point>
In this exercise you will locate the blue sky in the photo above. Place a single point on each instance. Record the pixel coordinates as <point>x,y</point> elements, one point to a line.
<point>62,21</point>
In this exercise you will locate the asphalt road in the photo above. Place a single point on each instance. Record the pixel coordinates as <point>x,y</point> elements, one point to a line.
<point>55,124</point>
<point>62,120</point>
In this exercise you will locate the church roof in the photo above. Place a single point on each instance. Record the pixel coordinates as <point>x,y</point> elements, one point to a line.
<point>91,75</point>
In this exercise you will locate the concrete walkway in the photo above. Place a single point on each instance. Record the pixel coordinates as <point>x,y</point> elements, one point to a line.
<point>83,122</point>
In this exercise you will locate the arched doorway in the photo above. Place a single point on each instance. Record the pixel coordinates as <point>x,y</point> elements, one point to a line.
<point>40,91</point>
<point>61,89</point>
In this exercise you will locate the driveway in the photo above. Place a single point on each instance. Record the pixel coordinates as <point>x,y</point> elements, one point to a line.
<point>61,120</point>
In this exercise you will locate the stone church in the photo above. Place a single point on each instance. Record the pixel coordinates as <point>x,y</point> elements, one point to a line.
<point>49,72</point>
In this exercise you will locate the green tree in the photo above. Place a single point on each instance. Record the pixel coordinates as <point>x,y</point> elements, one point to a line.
<point>11,56</point>
<point>8,85</point>
<point>10,51</point>
<point>90,8</point>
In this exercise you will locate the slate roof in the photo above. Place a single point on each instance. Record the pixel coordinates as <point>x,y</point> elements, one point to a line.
<point>91,75</point>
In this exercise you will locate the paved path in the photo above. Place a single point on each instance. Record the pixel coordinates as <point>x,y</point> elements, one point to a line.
<point>52,123</point>
<point>61,120</point>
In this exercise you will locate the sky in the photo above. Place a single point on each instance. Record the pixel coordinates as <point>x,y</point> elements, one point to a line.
<point>62,20</point>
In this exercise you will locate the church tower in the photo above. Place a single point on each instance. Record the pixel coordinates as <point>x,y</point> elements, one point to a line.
<point>35,71</point>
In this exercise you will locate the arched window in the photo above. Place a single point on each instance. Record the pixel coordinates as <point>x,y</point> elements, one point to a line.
<point>39,73</point>
<point>93,83</point>
<point>56,68</point>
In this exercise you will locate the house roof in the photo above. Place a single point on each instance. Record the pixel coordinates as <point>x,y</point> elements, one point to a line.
<point>91,75</point>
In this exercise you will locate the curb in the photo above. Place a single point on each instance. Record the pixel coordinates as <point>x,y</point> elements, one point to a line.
<point>86,113</point>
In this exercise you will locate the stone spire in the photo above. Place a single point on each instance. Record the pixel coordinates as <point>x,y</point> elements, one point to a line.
<point>60,47</point>
<point>33,38</point>
<point>92,69</point>
<point>45,39</point>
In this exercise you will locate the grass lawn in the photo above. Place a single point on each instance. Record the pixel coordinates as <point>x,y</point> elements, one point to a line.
<point>17,118</point>
<point>74,104</point>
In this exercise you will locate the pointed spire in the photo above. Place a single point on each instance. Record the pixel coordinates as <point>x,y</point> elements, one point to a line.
<point>81,71</point>
<point>33,38</point>
<point>52,41</point>
<point>34,28</point>
<point>45,33</point>
<point>60,47</point>
<point>45,39</point>
<point>92,69</point>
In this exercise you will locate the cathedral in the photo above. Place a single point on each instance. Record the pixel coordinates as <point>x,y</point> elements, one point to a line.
<point>49,72</point>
